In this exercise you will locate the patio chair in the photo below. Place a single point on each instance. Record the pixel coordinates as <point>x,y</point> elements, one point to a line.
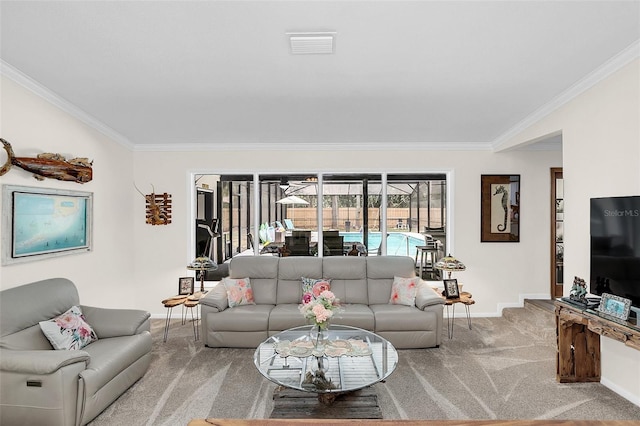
<point>298,243</point>
<point>333,243</point>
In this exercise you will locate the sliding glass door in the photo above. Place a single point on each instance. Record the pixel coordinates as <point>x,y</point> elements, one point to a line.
<point>236,215</point>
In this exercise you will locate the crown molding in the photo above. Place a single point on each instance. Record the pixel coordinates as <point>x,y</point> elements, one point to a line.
<point>32,85</point>
<point>541,146</point>
<point>614,64</point>
<point>308,146</point>
<point>548,142</point>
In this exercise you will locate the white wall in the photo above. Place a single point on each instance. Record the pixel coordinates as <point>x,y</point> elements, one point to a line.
<point>601,148</point>
<point>105,276</point>
<point>498,274</point>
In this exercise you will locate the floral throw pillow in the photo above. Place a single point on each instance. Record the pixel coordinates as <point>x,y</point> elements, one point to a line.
<point>239,291</point>
<point>403,291</point>
<point>68,331</point>
<point>311,288</point>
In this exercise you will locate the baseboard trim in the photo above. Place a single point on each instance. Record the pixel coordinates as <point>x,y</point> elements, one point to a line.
<point>634,399</point>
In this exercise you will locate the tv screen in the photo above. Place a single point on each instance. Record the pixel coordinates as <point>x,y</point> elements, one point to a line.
<point>615,247</point>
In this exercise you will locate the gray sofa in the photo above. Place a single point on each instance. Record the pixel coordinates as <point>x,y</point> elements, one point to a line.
<point>43,386</point>
<point>362,283</point>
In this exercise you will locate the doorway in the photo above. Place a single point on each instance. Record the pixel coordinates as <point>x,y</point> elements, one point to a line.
<point>557,232</point>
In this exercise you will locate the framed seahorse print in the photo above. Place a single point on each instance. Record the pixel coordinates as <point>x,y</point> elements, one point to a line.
<point>500,208</point>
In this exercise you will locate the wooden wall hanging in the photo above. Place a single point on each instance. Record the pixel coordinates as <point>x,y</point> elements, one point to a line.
<point>158,208</point>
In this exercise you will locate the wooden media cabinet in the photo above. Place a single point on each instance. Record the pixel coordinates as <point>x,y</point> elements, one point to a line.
<point>578,332</point>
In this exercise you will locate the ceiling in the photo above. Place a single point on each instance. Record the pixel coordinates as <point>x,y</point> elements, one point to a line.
<point>166,75</point>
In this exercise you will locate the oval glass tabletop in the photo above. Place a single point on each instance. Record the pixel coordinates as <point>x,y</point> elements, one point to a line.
<point>344,359</point>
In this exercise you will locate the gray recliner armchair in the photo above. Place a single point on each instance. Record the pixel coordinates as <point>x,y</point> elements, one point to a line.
<point>43,386</point>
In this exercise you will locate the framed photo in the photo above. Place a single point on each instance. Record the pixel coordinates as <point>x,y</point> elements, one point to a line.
<point>500,208</point>
<point>185,285</point>
<point>451,289</point>
<point>614,306</point>
<point>39,223</point>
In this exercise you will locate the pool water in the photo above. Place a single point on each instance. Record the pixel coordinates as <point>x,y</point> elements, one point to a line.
<point>398,243</point>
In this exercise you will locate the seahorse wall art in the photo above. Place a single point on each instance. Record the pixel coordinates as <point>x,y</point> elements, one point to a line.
<point>48,165</point>
<point>505,206</point>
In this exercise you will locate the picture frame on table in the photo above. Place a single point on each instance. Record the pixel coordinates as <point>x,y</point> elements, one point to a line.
<point>500,208</point>
<point>451,288</point>
<point>185,285</point>
<point>614,306</point>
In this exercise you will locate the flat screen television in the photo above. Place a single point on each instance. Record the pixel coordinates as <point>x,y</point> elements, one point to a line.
<point>615,247</point>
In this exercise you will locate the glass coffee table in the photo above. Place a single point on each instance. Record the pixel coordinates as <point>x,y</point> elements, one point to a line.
<point>347,359</point>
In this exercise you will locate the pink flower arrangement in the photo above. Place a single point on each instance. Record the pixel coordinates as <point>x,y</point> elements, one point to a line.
<point>320,308</point>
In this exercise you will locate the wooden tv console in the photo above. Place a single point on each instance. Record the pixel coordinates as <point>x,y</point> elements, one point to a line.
<point>578,333</point>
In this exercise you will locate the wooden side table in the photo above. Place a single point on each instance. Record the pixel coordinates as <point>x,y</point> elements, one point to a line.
<point>192,303</point>
<point>171,303</point>
<point>466,299</point>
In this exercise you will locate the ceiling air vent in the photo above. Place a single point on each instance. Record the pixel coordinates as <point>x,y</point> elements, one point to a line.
<point>312,43</point>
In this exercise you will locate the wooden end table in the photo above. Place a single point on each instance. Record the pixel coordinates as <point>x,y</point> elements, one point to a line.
<point>188,302</point>
<point>466,299</point>
<point>171,303</point>
<point>193,302</point>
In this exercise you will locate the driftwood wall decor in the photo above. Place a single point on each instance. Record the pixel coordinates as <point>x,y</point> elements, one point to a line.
<point>49,165</point>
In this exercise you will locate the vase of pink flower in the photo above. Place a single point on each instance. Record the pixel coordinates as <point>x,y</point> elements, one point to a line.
<point>319,310</point>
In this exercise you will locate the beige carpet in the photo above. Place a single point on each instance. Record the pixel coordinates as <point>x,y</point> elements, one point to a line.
<point>502,369</point>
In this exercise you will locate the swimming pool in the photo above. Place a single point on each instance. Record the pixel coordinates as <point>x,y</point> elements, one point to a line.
<point>398,243</point>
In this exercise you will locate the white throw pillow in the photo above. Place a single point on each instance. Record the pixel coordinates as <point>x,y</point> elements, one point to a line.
<point>403,291</point>
<point>68,331</point>
<point>239,291</point>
